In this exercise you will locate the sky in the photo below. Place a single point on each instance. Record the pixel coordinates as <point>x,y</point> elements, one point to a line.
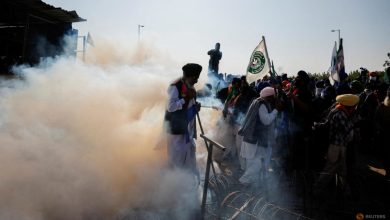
<point>298,33</point>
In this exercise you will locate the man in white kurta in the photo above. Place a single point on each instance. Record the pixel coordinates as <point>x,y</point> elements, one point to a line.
<point>181,152</point>
<point>257,154</point>
<point>181,98</point>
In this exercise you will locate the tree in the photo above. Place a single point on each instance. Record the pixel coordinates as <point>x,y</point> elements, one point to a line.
<point>319,76</point>
<point>353,75</point>
<point>387,62</point>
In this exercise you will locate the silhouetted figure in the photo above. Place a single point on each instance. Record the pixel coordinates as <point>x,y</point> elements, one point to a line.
<point>382,120</point>
<point>215,56</point>
<point>301,97</point>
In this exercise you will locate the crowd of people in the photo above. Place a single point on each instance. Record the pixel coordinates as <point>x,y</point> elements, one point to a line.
<point>308,124</point>
<point>303,123</point>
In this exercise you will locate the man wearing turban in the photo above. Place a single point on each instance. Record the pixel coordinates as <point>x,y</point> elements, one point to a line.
<point>341,129</point>
<point>180,119</point>
<point>258,131</point>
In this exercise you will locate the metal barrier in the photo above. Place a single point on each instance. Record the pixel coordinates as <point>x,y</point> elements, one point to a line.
<point>243,205</point>
<point>209,145</point>
<point>238,204</point>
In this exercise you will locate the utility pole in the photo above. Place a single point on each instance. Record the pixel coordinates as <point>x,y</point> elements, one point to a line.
<point>338,30</point>
<point>139,32</point>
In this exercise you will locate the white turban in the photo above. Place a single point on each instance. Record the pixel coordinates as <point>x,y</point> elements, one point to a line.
<point>267,91</point>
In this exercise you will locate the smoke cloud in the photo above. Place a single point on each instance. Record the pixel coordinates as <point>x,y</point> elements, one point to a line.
<point>77,139</point>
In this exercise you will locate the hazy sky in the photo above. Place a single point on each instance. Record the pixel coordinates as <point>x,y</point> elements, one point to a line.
<point>297,32</point>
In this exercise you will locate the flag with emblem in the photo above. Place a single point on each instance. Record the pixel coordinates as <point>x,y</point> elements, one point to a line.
<point>258,65</point>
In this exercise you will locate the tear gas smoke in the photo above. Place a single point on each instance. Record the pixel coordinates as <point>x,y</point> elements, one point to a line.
<point>77,140</point>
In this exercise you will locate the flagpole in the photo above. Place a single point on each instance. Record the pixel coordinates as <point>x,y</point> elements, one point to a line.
<point>266,51</point>
<point>274,73</point>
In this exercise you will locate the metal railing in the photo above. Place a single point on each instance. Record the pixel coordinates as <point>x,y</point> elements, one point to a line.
<point>209,145</point>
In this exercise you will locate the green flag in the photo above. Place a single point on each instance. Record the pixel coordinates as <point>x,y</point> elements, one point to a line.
<point>258,65</point>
